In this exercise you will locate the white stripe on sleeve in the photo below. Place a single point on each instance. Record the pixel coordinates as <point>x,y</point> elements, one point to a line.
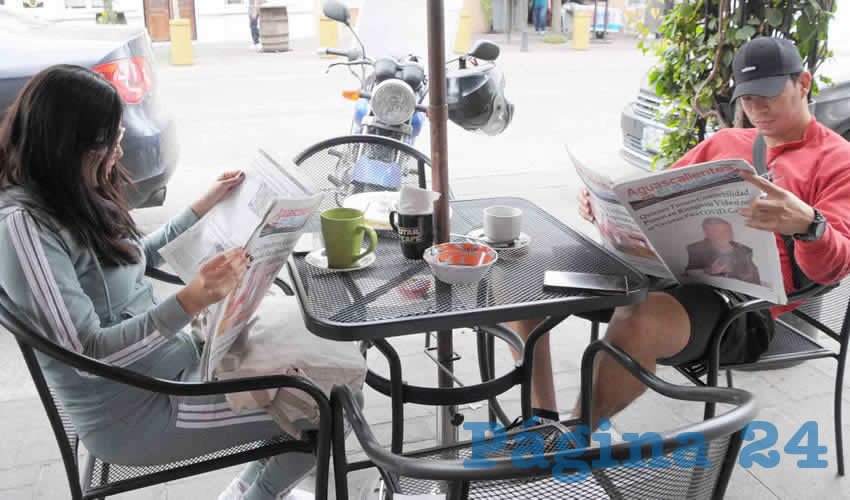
<point>41,280</point>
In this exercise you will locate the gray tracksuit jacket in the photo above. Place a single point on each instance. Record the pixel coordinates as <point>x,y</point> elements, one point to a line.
<point>58,286</point>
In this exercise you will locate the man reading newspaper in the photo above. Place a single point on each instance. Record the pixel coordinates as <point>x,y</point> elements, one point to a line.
<point>805,200</point>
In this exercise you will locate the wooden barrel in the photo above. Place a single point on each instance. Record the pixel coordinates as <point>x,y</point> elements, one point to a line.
<point>274,28</point>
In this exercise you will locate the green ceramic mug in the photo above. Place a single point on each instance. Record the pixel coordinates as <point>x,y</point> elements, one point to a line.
<point>343,229</point>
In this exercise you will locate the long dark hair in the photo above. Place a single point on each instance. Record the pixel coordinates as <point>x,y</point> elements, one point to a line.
<point>62,115</point>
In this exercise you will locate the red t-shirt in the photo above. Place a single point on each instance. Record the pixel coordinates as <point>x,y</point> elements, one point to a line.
<point>817,170</point>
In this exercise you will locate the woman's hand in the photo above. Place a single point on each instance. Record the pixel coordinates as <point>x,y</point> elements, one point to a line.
<point>216,278</point>
<point>584,207</point>
<point>223,186</point>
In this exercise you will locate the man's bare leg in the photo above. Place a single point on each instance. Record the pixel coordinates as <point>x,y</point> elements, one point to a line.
<point>542,382</point>
<point>657,328</point>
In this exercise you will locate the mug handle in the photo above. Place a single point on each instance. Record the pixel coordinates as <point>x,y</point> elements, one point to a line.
<point>373,240</point>
<point>393,213</point>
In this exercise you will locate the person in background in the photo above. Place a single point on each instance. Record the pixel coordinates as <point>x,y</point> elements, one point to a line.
<point>253,22</point>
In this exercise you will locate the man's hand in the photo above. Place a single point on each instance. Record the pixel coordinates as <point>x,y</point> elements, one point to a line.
<point>584,207</point>
<point>779,212</point>
<point>216,278</point>
<point>719,267</point>
<point>222,187</point>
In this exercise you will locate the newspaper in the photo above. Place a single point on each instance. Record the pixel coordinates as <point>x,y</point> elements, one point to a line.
<point>684,224</point>
<point>266,215</point>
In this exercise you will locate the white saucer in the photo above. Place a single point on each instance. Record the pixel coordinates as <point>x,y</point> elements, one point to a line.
<point>318,259</point>
<point>521,242</point>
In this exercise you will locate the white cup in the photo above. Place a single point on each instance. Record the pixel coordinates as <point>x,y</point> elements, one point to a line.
<point>502,223</point>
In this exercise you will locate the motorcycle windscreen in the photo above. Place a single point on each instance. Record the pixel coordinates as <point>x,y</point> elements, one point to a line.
<point>396,28</point>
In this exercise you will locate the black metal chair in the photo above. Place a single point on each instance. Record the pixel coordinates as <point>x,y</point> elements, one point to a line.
<point>330,164</point>
<point>826,310</point>
<point>100,479</point>
<point>335,164</point>
<point>449,470</point>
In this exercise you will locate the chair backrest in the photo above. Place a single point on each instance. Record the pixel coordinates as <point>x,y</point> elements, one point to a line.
<point>63,430</point>
<point>693,462</point>
<point>347,165</point>
<point>829,312</point>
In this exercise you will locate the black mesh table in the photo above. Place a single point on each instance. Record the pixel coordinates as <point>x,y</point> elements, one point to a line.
<point>378,302</point>
<point>396,296</point>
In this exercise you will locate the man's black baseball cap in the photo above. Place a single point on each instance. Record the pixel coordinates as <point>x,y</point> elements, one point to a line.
<point>762,65</point>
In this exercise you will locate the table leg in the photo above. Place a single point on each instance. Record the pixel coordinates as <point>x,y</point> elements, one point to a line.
<point>446,430</point>
<point>528,359</point>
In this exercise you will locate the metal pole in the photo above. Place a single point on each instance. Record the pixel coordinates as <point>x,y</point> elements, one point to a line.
<point>438,116</point>
<point>509,15</point>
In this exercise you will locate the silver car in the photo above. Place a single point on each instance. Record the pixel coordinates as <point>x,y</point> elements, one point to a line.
<point>122,55</point>
<point>643,131</point>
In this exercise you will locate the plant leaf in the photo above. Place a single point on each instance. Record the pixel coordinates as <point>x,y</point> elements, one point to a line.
<point>745,33</point>
<point>774,17</point>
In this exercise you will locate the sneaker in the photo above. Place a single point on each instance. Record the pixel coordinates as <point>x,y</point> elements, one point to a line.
<point>235,490</point>
<point>296,494</point>
<point>258,47</point>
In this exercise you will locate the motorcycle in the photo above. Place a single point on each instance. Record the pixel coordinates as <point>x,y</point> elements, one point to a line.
<point>390,101</point>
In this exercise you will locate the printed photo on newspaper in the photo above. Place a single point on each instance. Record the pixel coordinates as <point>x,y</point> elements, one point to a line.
<point>684,224</point>
<point>266,214</point>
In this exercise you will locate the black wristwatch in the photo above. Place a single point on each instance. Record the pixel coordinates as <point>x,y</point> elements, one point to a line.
<point>816,229</point>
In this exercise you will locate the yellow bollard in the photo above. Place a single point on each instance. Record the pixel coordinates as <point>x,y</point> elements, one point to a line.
<point>581,30</point>
<point>463,40</point>
<point>181,41</point>
<point>328,34</point>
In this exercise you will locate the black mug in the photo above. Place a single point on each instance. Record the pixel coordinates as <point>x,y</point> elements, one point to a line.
<point>415,232</point>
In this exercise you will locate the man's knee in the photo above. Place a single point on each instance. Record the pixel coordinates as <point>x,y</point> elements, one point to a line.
<point>660,323</point>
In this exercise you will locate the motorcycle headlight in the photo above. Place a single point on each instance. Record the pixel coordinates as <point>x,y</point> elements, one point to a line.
<point>393,102</point>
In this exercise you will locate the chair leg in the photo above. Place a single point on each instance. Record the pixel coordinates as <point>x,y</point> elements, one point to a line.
<point>839,388</point>
<point>594,331</point>
<point>729,379</point>
<point>339,458</point>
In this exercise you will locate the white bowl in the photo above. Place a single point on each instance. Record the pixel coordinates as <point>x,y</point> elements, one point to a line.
<point>458,262</point>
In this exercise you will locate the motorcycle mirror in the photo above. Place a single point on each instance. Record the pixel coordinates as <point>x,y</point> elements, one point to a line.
<point>484,50</point>
<point>336,11</point>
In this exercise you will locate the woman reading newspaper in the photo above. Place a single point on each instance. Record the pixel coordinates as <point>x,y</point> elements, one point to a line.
<point>73,265</point>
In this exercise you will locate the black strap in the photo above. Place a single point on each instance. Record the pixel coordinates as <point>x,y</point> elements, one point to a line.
<point>798,277</point>
<point>760,155</point>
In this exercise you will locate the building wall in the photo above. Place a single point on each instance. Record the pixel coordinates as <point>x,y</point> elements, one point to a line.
<point>217,20</point>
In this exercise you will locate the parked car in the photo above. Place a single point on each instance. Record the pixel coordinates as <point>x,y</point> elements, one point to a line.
<point>124,56</point>
<point>643,132</point>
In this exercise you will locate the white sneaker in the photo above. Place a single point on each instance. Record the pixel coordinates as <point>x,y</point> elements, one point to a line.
<point>235,490</point>
<point>296,494</point>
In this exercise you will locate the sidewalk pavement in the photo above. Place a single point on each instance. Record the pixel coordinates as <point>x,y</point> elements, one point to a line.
<point>234,99</point>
